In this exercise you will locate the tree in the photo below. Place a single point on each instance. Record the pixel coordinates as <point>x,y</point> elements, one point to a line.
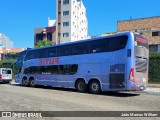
<point>43,43</point>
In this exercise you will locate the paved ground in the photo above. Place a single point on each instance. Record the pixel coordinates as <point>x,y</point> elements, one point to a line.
<point>14,97</point>
<point>153,89</point>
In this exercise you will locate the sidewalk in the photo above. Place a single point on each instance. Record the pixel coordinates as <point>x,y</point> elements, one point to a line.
<point>154,85</point>
<point>153,89</point>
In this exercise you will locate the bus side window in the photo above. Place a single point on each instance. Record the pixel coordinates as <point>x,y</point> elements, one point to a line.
<point>51,52</point>
<point>117,43</point>
<point>42,53</point>
<point>73,69</point>
<point>32,55</point>
<point>21,56</point>
<point>64,50</point>
<point>97,46</point>
<point>54,69</point>
<point>80,48</point>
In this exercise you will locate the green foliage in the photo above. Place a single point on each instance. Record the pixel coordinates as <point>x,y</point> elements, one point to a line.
<point>6,63</point>
<point>43,43</point>
<point>154,67</point>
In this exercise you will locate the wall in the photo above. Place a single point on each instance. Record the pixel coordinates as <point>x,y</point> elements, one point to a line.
<point>144,25</point>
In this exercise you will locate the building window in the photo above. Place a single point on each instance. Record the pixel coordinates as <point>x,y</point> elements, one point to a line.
<point>49,36</point>
<point>157,33</point>
<point>65,13</point>
<point>65,24</point>
<point>65,34</point>
<point>65,2</point>
<point>39,36</point>
<point>153,48</point>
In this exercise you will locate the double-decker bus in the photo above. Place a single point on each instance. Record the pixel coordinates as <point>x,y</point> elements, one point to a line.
<point>113,63</point>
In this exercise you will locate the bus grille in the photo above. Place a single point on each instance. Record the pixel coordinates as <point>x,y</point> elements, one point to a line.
<point>141,64</point>
<point>116,80</point>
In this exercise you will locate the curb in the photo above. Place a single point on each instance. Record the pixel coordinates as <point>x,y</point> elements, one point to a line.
<point>154,85</point>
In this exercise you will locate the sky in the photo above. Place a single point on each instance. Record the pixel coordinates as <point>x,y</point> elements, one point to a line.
<point>19,18</point>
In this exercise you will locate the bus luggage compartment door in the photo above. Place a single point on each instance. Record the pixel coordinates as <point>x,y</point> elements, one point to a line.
<point>116,80</point>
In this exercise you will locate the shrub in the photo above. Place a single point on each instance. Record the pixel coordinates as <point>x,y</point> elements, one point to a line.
<point>6,63</point>
<point>154,67</point>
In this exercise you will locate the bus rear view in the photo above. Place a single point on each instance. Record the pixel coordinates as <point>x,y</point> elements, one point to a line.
<point>138,76</point>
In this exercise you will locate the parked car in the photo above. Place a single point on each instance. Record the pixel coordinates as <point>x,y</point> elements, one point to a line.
<point>5,75</point>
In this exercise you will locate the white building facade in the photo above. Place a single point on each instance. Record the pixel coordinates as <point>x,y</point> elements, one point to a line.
<point>72,24</point>
<point>5,41</point>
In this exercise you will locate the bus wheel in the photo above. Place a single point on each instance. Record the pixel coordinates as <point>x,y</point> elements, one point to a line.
<point>25,82</point>
<point>32,82</point>
<point>94,87</point>
<point>81,86</point>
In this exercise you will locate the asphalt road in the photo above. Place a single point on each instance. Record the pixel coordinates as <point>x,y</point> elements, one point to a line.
<point>14,97</point>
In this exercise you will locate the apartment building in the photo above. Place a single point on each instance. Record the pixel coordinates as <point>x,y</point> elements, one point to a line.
<point>72,24</point>
<point>5,41</point>
<point>149,27</point>
<point>47,33</point>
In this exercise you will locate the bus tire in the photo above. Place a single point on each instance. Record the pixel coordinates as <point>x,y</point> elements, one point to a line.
<point>94,87</point>
<point>81,86</point>
<point>32,82</point>
<point>25,82</point>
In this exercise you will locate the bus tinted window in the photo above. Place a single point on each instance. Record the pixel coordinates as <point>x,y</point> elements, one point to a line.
<point>33,54</point>
<point>80,48</point>
<point>64,50</point>
<point>51,52</point>
<point>117,43</point>
<point>54,69</point>
<point>42,53</point>
<point>33,70</point>
<point>68,69</point>
<point>21,56</point>
<point>97,46</point>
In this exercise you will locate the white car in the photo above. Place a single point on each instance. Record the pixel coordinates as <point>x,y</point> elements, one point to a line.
<point>5,75</point>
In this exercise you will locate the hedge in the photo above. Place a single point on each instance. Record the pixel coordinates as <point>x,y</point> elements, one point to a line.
<point>6,63</point>
<point>154,67</point>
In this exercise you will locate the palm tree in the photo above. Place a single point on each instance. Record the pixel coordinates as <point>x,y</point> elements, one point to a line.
<point>43,43</point>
